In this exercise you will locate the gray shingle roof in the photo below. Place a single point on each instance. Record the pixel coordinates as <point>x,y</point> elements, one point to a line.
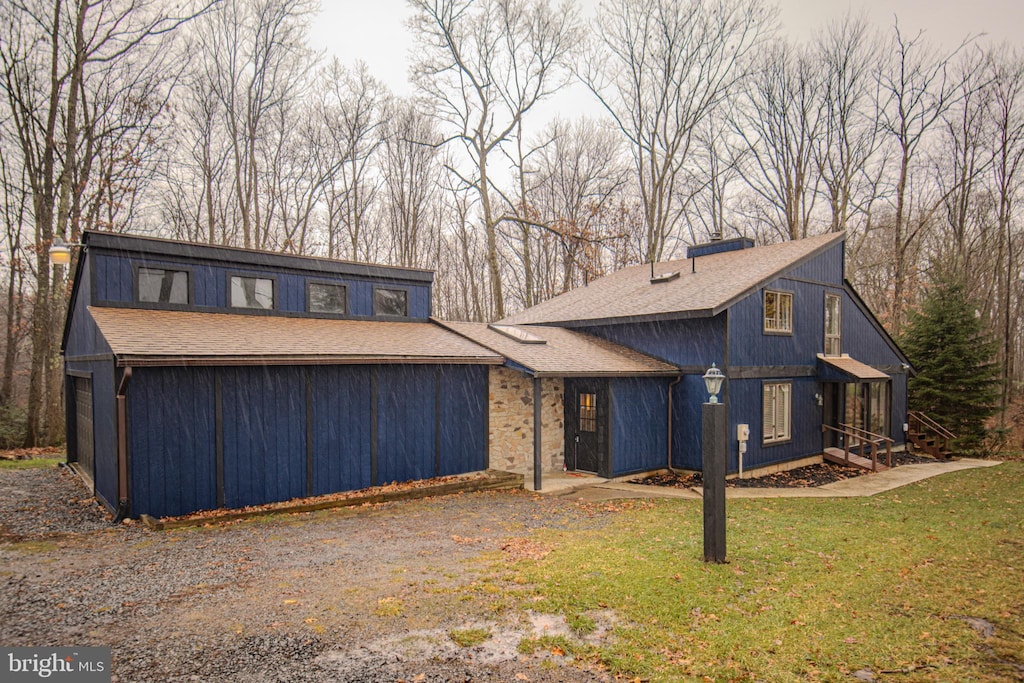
<point>143,336</point>
<point>704,287</point>
<point>564,353</point>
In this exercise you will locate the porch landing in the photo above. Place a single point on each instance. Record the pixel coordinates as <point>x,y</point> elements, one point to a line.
<point>838,456</point>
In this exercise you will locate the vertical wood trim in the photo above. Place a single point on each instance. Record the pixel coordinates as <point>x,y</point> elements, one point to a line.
<point>537,444</point>
<point>373,426</point>
<point>309,432</point>
<point>437,421</point>
<point>487,417</point>
<point>219,430</point>
<point>609,416</point>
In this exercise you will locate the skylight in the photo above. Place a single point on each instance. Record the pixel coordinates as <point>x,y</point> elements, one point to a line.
<point>664,277</point>
<point>518,334</point>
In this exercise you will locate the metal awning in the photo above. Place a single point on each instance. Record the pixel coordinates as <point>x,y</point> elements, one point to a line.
<point>845,369</point>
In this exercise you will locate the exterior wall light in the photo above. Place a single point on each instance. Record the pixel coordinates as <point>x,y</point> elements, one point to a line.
<point>713,379</point>
<point>60,252</point>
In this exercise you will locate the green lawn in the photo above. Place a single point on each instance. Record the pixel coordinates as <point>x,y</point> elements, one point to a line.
<point>32,463</point>
<point>815,589</point>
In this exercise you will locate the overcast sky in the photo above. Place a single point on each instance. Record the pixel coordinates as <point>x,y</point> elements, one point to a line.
<point>375,30</point>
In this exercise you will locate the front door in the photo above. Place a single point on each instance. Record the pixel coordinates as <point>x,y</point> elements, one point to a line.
<point>586,426</point>
<point>832,410</point>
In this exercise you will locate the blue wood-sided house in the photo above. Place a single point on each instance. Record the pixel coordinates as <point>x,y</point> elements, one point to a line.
<point>800,349</point>
<point>201,377</point>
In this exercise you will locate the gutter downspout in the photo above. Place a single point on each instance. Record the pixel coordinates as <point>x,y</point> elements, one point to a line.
<point>122,446</point>
<point>671,385</point>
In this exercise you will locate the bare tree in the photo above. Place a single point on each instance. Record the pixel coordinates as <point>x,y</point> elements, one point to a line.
<point>47,55</point>
<point>353,110</point>
<point>15,211</point>
<point>257,59</point>
<point>963,152</point>
<point>917,89</point>
<point>660,67</point>
<point>411,168</point>
<point>778,116</point>
<point>484,64</point>
<point>848,143</point>
<point>1006,111</point>
<point>578,177</point>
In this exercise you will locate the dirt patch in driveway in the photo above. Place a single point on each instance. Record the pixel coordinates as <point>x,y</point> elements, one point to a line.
<point>371,594</point>
<point>48,500</point>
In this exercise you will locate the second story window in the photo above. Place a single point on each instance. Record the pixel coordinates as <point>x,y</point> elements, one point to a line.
<point>324,297</point>
<point>778,312</point>
<point>251,292</point>
<point>833,327</point>
<point>163,286</point>
<point>390,302</point>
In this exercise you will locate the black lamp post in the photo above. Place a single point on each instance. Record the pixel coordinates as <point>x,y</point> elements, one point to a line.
<point>715,425</point>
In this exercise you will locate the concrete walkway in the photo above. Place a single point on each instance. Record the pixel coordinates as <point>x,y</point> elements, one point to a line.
<point>595,489</point>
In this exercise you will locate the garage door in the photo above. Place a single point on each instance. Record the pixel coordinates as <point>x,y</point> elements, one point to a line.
<point>83,425</point>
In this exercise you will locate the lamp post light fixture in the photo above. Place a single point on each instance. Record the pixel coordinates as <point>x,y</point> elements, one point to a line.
<point>713,379</point>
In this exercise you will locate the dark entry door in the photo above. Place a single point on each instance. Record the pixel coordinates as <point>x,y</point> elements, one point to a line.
<point>586,426</point>
<point>83,424</point>
<point>832,410</point>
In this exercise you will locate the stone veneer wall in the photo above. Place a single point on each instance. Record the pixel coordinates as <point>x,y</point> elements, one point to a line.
<point>510,421</point>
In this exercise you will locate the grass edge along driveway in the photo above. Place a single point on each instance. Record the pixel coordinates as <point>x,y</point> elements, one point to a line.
<point>901,586</point>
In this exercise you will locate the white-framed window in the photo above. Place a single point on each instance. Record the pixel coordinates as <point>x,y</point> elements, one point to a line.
<point>833,325</point>
<point>777,411</point>
<point>778,311</point>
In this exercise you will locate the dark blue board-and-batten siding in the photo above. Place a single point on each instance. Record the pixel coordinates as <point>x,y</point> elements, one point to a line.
<point>202,438</point>
<point>639,414</point>
<point>115,284</point>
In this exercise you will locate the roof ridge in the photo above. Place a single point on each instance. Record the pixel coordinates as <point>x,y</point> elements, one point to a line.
<point>711,284</point>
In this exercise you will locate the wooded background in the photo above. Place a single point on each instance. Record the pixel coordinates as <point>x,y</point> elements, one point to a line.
<point>215,121</point>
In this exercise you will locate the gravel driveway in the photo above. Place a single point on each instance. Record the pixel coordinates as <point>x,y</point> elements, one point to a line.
<point>365,594</point>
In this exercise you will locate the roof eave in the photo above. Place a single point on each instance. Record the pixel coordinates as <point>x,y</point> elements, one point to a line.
<point>650,317</point>
<point>238,257</point>
<point>139,360</point>
<point>733,300</point>
<point>608,374</point>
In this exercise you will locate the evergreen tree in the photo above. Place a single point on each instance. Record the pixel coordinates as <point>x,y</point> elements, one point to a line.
<point>957,381</point>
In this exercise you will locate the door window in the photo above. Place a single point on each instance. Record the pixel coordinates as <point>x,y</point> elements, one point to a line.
<point>588,412</point>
